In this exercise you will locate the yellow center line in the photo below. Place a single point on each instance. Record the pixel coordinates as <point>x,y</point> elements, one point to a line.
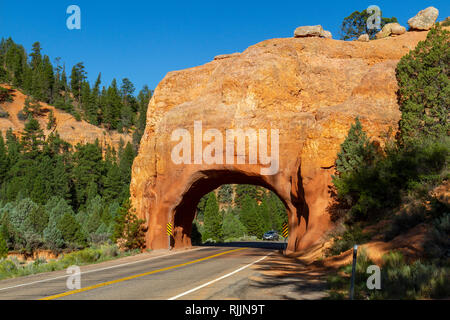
<point>136,276</point>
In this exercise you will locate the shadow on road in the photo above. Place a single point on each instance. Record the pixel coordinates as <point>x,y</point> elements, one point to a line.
<point>279,277</point>
<point>289,279</point>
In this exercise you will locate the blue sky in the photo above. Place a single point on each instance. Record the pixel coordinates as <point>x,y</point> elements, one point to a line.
<point>143,40</point>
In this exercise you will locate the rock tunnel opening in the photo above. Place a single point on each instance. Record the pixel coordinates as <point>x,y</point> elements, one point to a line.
<point>208,181</point>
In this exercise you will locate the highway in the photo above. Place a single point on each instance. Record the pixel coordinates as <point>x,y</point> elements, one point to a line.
<point>200,273</point>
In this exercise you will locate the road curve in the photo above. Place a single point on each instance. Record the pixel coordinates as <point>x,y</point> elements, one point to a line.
<point>183,275</point>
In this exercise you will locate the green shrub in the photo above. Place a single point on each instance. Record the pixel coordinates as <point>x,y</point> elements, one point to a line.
<point>400,279</point>
<point>129,228</point>
<point>403,280</point>
<point>376,188</point>
<point>437,245</point>
<point>232,227</point>
<point>3,247</point>
<point>408,218</point>
<point>11,267</point>
<point>351,236</point>
<point>3,113</point>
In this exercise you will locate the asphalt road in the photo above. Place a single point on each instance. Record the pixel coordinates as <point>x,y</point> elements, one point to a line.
<point>198,273</point>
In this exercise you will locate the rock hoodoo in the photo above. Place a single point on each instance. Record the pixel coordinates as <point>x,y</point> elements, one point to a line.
<point>309,89</point>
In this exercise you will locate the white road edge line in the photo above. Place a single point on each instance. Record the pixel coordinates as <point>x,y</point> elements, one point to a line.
<point>218,279</point>
<point>96,270</point>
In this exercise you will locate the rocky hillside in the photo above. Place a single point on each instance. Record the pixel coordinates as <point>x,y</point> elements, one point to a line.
<point>67,126</point>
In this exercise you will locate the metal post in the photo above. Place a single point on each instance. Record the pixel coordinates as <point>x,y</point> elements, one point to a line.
<point>352,283</point>
<point>168,235</point>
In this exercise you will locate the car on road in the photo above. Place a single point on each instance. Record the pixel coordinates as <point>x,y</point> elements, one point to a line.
<point>271,235</point>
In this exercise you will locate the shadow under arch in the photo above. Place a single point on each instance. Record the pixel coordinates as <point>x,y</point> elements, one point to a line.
<point>207,181</point>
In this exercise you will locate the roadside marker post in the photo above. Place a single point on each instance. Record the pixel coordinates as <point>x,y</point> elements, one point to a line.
<point>169,229</point>
<point>285,233</point>
<point>352,283</point>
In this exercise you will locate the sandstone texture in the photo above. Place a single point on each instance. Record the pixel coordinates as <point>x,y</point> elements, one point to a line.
<point>309,89</point>
<point>424,20</point>
<point>69,129</point>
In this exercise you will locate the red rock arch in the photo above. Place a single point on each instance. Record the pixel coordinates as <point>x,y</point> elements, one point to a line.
<point>310,89</point>
<point>207,181</point>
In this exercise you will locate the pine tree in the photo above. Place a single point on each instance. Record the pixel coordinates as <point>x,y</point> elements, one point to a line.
<point>113,185</point>
<point>71,230</point>
<point>113,106</point>
<point>143,100</point>
<point>225,194</point>
<point>277,211</point>
<point>423,76</point>
<point>254,192</point>
<point>212,220</point>
<point>15,60</point>
<point>232,226</point>
<point>200,213</point>
<point>265,216</point>
<point>77,77</point>
<point>356,150</point>
<point>51,124</point>
<point>13,146</point>
<point>88,170</point>
<point>126,90</point>
<point>37,220</point>
<point>126,158</point>
<point>36,56</point>
<point>3,159</point>
<point>47,80</point>
<point>128,228</point>
<point>356,24</point>
<point>250,217</point>
<point>32,137</point>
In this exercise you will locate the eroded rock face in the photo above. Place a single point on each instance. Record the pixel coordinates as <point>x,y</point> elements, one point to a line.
<point>310,89</point>
<point>424,20</point>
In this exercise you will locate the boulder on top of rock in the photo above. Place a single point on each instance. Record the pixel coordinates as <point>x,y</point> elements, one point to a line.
<point>327,34</point>
<point>390,29</point>
<point>364,38</point>
<point>309,31</point>
<point>424,20</point>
